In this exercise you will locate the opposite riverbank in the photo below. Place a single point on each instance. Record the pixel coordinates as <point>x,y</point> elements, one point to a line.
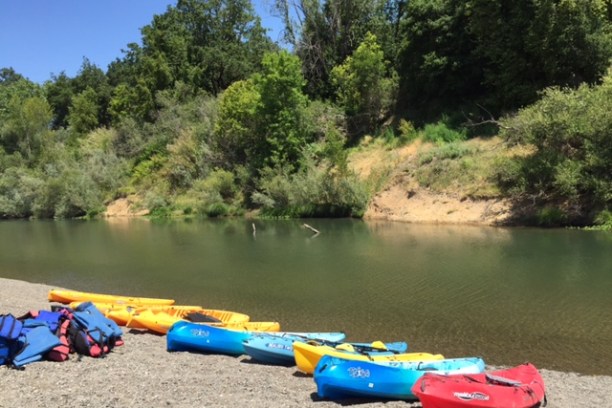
<point>143,373</point>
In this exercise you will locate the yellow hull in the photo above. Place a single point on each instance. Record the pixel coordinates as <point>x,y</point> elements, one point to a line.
<point>307,356</point>
<point>123,314</point>
<point>68,296</point>
<point>160,321</point>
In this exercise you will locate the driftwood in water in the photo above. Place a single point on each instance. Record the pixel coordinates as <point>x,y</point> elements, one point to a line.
<point>316,231</point>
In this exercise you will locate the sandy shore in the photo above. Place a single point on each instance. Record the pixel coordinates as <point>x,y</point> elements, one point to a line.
<point>143,374</point>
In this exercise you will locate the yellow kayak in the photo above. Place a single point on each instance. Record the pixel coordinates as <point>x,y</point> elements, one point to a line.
<point>68,296</point>
<point>307,356</point>
<point>122,314</point>
<point>160,321</point>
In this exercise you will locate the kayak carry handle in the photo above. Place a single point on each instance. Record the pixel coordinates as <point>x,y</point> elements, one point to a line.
<point>501,380</point>
<point>419,368</point>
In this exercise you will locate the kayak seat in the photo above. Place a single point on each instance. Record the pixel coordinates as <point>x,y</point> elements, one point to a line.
<point>197,317</point>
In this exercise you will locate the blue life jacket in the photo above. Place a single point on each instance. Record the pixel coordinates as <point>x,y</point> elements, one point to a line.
<point>33,344</point>
<point>7,349</point>
<point>57,320</point>
<point>43,317</point>
<point>91,332</point>
<point>10,327</point>
<point>91,318</point>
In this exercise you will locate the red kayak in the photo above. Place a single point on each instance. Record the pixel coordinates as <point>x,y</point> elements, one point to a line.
<point>518,387</point>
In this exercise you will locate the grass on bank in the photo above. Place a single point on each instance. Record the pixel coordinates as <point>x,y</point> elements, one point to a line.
<point>436,158</point>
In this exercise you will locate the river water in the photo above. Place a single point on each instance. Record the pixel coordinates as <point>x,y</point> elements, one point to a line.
<point>508,295</point>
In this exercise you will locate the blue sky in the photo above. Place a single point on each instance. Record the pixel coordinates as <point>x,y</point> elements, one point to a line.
<point>43,37</point>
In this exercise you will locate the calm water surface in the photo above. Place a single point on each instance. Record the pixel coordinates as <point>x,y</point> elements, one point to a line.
<point>509,295</point>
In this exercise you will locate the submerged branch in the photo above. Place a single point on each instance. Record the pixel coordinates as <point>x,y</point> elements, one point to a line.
<point>316,231</point>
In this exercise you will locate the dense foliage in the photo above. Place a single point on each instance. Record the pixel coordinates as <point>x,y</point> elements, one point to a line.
<point>499,54</point>
<point>207,115</point>
<point>365,87</point>
<point>571,169</point>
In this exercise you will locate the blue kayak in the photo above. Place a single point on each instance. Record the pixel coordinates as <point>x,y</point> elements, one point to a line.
<point>277,348</point>
<point>338,378</point>
<point>189,336</point>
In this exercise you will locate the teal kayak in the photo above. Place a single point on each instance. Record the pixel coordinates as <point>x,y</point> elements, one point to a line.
<point>189,336</point>
<point>277,348</point>
<point>339,378</point>
<point>268,348</point>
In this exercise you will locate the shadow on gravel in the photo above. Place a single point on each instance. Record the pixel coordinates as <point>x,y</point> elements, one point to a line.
<point>257,362</point>
<point>139,331</point>
<point>348,401</point>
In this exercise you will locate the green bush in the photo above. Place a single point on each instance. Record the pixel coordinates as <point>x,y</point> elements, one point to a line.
<point>440,133</point>
<point>365,86</point>
<point>550,217</point>
<point>222,182</point>
<point>388,135</point>
<point>217,209</point>
<point>144,171</point>
<point>571,131</point>
<point>448,151</point>
<point>407,131</point>
<point>603,220</point>
<point>219,194</point>
<point>19,191</point>
<point>315,191</point>
<point>157,204</point>
<point>509,176</point>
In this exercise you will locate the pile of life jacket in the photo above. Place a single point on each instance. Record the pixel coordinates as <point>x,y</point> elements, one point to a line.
<point>54,335</point>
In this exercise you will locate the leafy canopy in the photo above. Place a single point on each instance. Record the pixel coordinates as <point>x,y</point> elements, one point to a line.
<point>365,87</point>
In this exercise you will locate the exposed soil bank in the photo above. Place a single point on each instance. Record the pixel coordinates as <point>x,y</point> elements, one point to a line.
<point>420,205</point>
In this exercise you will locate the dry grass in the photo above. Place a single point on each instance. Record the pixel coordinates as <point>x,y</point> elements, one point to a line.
<point>423,182</point>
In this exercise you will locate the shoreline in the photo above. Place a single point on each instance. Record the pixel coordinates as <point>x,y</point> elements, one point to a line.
<point>143,373</point>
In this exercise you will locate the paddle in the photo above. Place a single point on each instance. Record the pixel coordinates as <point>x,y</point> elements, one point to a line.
<point>368,350</point>
<point>376,346</point>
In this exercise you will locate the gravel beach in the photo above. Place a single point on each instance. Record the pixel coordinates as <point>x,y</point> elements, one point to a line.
<point>142,373</point>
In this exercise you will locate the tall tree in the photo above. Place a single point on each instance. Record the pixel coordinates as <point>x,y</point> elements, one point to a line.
<point>13,85</point>
<point>24,115</point>
<point>325,32</point>
<point>237,124</point>
<point>92,79</point>
<point>281,108</point>
<point>27,122</point>
<point>499,53</point>
<point>83,116</point>
<point>528,45</point>
<point>61,90</point>
<point>365,86</point>
<point>206,44</point>
<point>261,120</point>
<point>9,76</point>
<point>438,68</point>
